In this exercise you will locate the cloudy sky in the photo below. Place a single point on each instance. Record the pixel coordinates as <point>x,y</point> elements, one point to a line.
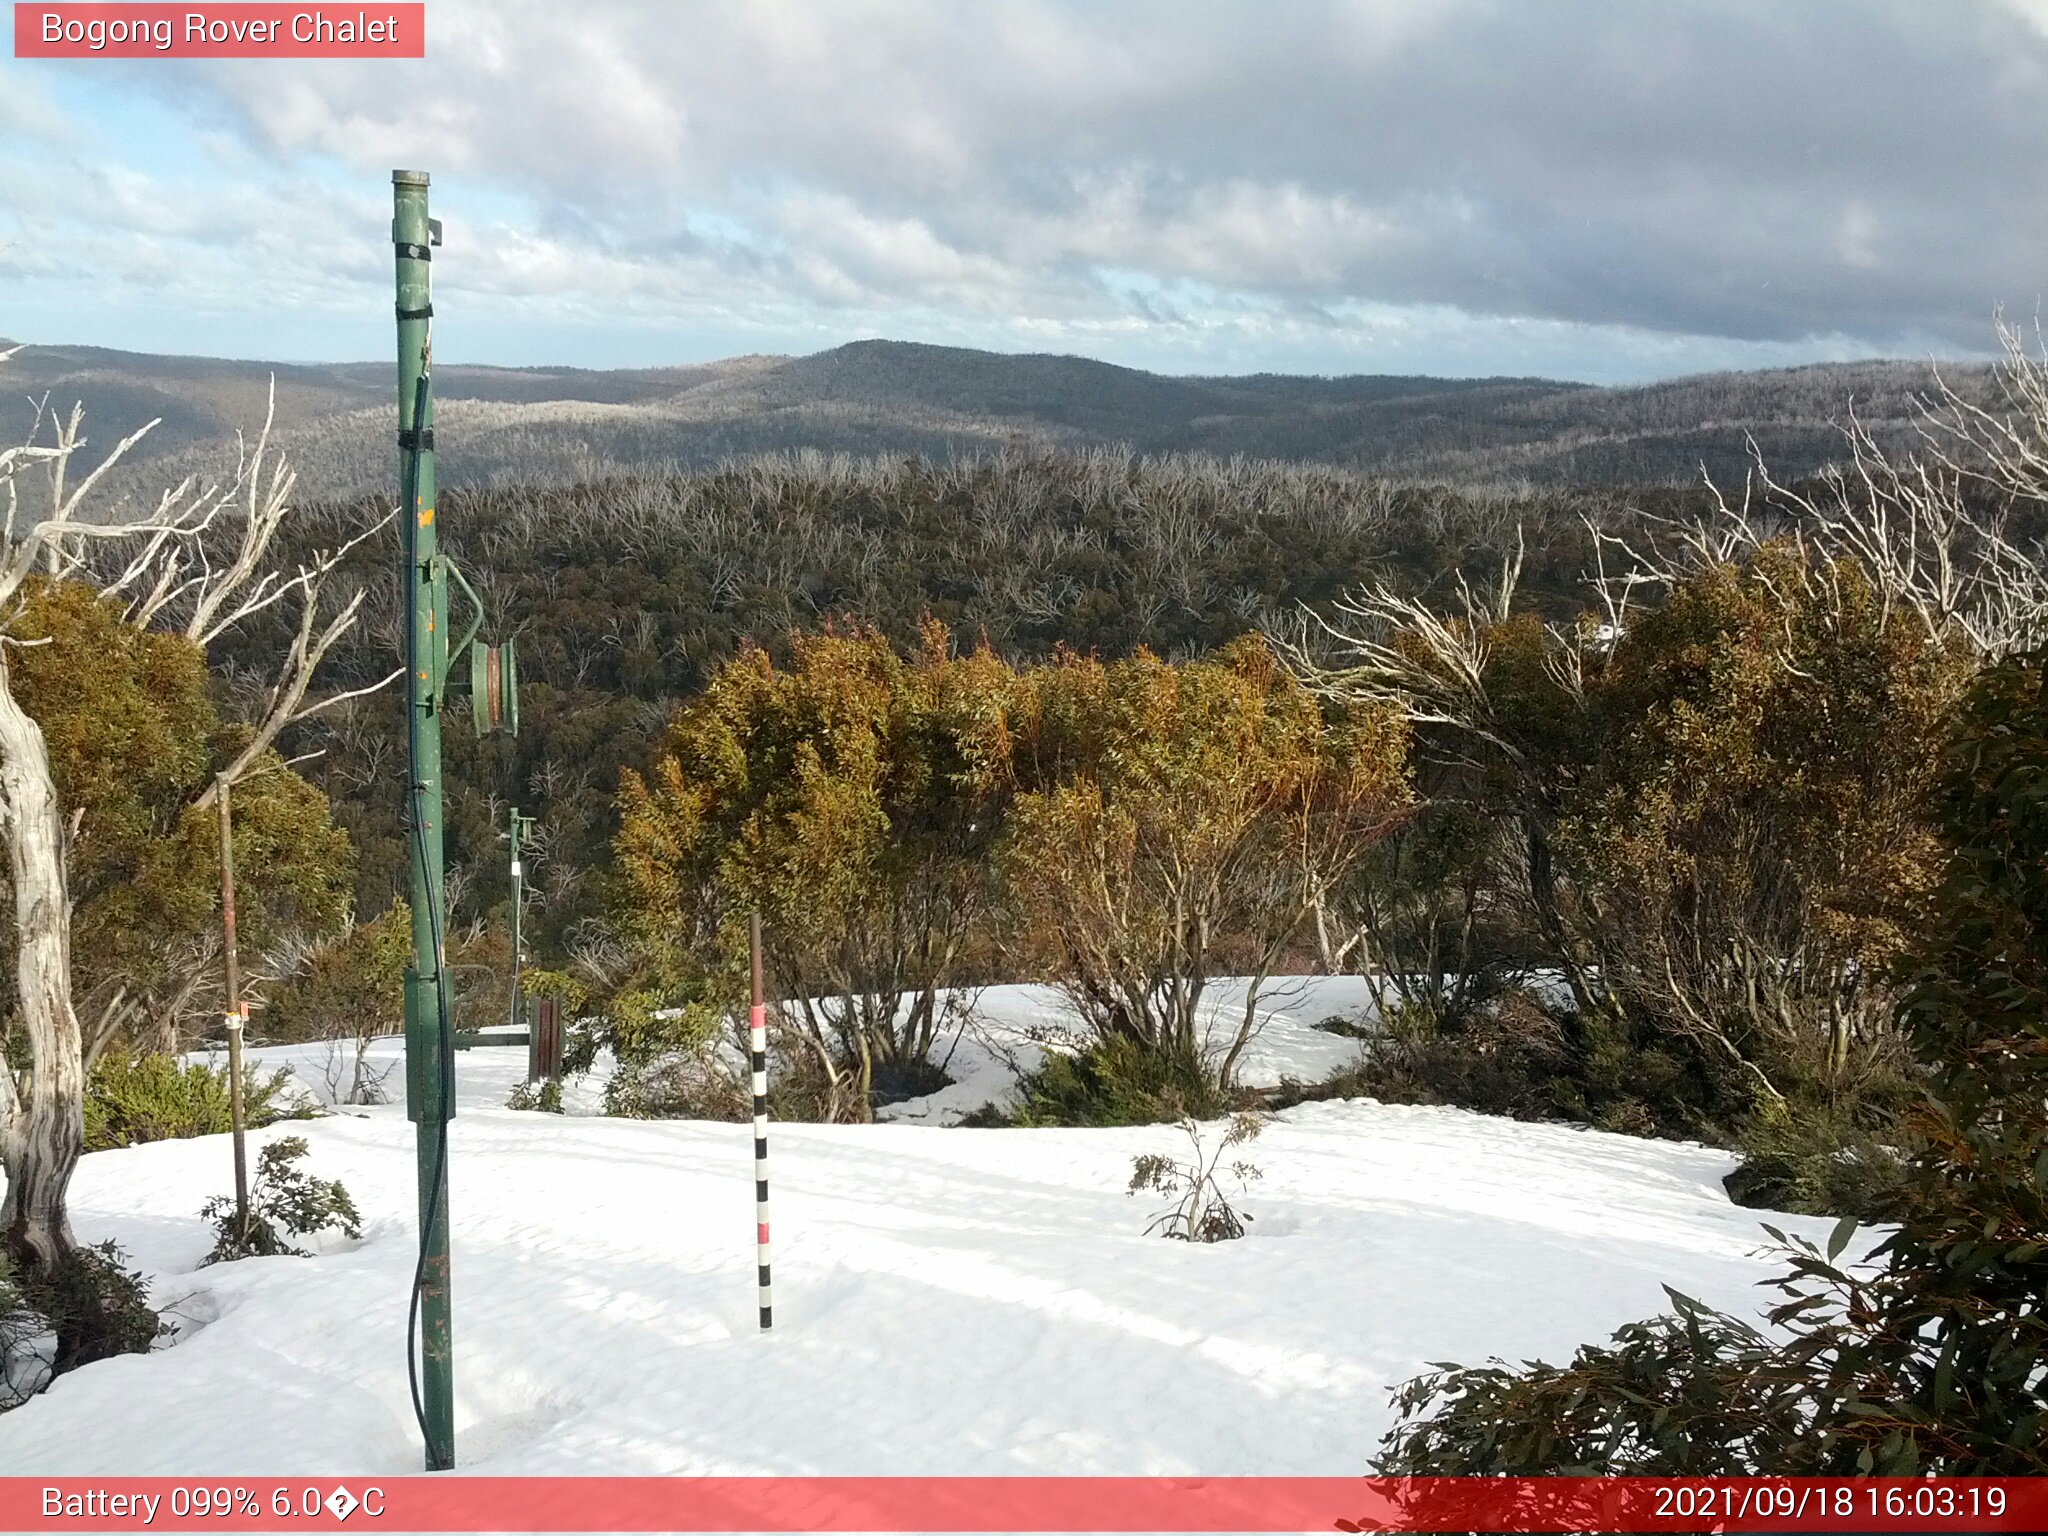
<point>1597,189</point>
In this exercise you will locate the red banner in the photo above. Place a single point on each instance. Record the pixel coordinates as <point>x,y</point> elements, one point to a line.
<point>221,31</point>
<point>1316,1504</point>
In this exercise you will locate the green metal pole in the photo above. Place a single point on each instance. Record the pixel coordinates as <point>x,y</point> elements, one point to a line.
<point>429,1047</point>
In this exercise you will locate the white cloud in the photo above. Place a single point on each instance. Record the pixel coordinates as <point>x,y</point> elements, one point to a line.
<point>1187,178</point>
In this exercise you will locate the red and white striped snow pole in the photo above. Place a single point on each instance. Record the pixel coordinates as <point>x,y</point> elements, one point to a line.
<point>757,1050</point>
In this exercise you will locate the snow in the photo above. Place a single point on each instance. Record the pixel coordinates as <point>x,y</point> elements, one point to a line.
<point>1010,1029</point>
<point>998,1032</point>
<point>948,1301</point>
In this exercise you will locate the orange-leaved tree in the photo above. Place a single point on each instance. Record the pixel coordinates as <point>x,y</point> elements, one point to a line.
<point>1175,823</point>
<point>133,735</point>
<point>852,798</point>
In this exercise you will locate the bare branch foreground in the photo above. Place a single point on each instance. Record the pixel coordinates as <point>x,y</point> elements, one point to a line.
<point>200,563</point>
<point>1929,532</point>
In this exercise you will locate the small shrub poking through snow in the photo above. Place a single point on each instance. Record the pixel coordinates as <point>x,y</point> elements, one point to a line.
<point>1349,1029</point>
<point>1201,1213</point>
<point>349,1077</point>
<point>1825,1160</point>
<point>24,1365</point>
<point>545,1096</point>
<point>90,1307</point>
<point>284,1201</point>
<point>1118,1082</point>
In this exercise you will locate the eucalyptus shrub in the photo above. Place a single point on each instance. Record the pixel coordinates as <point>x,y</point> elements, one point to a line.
<point>134,1099</point>
<point>284,1202</point>
<point>1927,1359</point>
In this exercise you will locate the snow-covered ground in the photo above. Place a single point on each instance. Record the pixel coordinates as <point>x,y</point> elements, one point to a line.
<point>993,1034</point>
<point>948,1300</point>
<point>1003,1033</point>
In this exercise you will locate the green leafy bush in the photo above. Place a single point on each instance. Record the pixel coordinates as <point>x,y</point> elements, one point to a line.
<point>349,984</point>
<point>1927,1361</point>
<point>1518,1056</point>
<point>1502,1059</point>
<point>668,1066</point>
<point>1693,1393</point>
<point>1824,1160</point>
<point>1176,822</point>
<point>284,1202</point>
<point>850,797</point>
<point>93,1305</point>
<point>545,1096</point>
<point>686,1084</point>
<point>134,1099</point>
<point>1118,1082</point>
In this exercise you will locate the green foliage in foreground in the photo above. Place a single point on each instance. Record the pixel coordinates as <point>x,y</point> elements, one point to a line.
<point>133,1099</point>
<point>1930,1362</point>
<point>1118,1081</point>
<point>284,1202</point>
<point>90,1307</point>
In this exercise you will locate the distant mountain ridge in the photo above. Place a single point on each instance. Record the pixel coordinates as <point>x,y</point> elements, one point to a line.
<point>554,424</point>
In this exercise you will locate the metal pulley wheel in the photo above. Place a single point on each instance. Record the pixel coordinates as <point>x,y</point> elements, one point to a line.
<point>494,688</point>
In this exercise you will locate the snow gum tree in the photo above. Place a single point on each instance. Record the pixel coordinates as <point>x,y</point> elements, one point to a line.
<point>1710,797</point>
<point>851,797</point>
<point>196,565</point>
<point>134,736</point>
<point>1175,823</point>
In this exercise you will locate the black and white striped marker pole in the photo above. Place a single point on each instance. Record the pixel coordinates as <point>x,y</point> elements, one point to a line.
<point>757,1050</point>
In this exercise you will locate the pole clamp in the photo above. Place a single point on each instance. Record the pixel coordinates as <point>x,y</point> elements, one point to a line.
<point>424,313</point>
<point>412,252</point>
<point>409,440</point>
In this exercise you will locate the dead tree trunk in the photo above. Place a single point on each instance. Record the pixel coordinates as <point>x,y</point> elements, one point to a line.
<point>42,1124</point>
<point>160,566</point>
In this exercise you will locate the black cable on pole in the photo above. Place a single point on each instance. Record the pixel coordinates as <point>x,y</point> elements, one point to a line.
<point>443,1011</point>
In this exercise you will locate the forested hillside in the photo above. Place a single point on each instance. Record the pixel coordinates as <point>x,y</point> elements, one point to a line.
<point>625,594</point>
<point>565,425</point>
<point>1629,806</point>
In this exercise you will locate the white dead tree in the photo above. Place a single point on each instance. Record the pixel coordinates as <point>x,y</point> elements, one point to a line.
<point>1926,530</point>
<point>200,564</point>
<point>1924,534</point>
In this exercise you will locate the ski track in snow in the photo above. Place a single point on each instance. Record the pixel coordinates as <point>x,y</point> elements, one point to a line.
<point>948,1301</point>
